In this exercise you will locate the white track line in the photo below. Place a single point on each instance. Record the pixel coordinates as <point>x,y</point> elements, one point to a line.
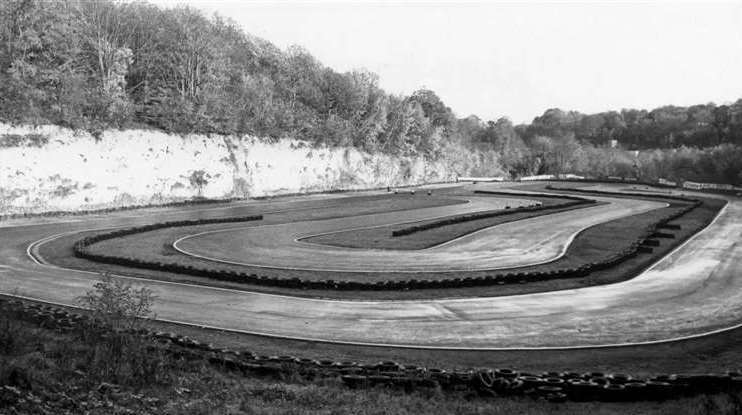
<point>563,251</point>
<point>406,346</point>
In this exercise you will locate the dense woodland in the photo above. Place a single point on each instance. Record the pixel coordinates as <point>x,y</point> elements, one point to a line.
<point>95,65</point>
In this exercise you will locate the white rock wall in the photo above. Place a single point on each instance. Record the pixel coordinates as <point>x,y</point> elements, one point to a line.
<point>133,167</point>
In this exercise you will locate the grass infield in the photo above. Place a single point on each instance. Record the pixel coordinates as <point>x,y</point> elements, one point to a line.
<point>383,238</point>
<point>592,244</point>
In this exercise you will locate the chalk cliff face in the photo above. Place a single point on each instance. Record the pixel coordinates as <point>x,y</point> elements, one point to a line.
<point>52,168</point>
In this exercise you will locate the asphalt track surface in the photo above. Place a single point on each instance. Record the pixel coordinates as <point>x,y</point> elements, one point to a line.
<point>525,242</point>
<point>693,291</point>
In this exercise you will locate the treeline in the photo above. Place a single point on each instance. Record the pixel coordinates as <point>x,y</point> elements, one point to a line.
<point>524,151</point>
<point>94,65</point>
<point>665,127</point>
<point>100,64</point>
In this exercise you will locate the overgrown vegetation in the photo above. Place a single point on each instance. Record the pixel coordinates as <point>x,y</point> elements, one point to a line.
<point>116,305</point>
<point>114,354</point>
<point>18,140</point>
<point>101,64</point>
<point>199,179</point>
<point>81,367</point>
<point>48,370</point>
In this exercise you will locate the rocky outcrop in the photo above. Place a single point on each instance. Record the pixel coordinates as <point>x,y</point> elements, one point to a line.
<point>50,168</point>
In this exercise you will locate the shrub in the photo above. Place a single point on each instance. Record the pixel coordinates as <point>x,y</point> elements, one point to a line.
<point>115,352</point>
<point>12,335</point>
<point>116,305</point>
<point>20,140</point>
<point>199,179</point>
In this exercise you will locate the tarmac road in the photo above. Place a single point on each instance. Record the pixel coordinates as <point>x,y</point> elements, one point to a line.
<point>525,242</point>
<point>692,291</point>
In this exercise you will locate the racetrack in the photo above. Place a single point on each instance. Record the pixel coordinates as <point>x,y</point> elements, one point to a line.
<point>692,291</point>
<point>525,242</point>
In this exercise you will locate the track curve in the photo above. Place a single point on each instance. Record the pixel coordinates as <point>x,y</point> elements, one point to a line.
<point>693,291</point>
<point>525,242</point>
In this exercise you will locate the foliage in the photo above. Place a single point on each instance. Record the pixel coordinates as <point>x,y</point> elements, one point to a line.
<point>50,372</point>
<point>665,127</point>
<point>19,140</point>
<point>101,64</point>
<point>113,353</point>
<point>199,179</point>
<point>116,304</point>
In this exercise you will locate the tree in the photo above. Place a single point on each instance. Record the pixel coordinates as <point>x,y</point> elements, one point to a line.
<point>41,77</point>
<point>433,108</point>
<point>721,122</point>
<point>554,123</point>
<point>104,37</point>
<point>199,179</point>
<point>541,149</point>
<point>102,64</point>
<point>565,153</point>
<point>613,123</point>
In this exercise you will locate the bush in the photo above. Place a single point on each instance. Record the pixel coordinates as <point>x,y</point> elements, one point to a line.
<point>116,353</point>
<point>12,336</point>
<point>116,305</point>
<point>28,140</point>
<point>199,179</point>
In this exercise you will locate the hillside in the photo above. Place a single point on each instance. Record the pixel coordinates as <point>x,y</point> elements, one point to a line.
<point>133,99</point>
<point>97,65</point>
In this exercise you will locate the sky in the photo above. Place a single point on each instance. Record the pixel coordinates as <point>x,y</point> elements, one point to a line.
<point>516,59</point>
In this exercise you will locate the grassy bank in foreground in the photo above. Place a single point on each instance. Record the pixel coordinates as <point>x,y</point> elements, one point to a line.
<point>87,371</point>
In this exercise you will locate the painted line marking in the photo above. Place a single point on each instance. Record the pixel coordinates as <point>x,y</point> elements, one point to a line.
<point>525,348</point>
<point>563,249</point>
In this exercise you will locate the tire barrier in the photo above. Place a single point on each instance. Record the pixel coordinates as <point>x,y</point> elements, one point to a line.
<point>196,201</point>
<point>719,188</point>
<point>487,383</point>
<point>574,201</point>
<point>644,244</point>
<point>80,248</point>
<point>663,235</point>
<point>539,195</point>
<point>57,213</point>
<point>632,194</point>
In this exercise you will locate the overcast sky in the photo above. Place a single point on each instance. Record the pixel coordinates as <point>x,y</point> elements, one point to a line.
<point>517,59</point>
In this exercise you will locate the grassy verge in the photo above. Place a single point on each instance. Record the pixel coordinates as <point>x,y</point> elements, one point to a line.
<point>592,244</point>
<point>44,370</point>
<point>382,237</point>
<point>83,212</point>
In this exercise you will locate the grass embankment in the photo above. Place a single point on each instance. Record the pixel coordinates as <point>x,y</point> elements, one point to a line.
<point>79,370</point>
<point>592,244</point>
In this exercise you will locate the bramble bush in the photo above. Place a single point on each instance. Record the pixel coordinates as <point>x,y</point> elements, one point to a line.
<point>115,351</point>
<point>116,305</point>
